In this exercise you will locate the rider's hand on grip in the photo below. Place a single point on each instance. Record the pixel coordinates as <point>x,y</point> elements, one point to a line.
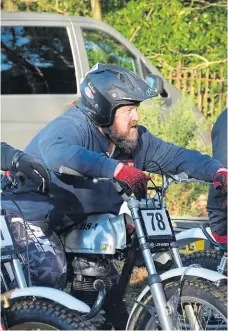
<point>135,179</point>
<point>33,169</point>
<point>220,180</point>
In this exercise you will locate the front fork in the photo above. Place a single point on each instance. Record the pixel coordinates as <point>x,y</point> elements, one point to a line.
<point>154,280</point>
<point>163,310</point>
<point>222,267</point>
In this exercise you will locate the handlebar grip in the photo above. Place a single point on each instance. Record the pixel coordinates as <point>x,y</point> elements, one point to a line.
<point>69,171</point>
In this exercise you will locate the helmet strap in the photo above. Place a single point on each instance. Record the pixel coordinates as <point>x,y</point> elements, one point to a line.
<point>107,132</point>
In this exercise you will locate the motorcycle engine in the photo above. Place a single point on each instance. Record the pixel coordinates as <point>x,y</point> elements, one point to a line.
<point>87,269</point>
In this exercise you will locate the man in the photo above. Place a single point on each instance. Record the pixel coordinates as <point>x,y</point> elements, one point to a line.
<point>27,165</point>
<point>100,137</point>
<point>217,203</point>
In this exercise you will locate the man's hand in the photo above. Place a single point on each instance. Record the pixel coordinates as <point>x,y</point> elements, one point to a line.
<point>220,180</point>
<point>135,178</point>
<point>33,169</point>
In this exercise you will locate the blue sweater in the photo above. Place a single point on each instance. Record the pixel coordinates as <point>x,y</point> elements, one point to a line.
<point>217,214</point>
<point>73,141</point>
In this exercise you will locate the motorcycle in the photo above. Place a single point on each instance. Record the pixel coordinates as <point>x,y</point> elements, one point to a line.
<point>214,259</point>
<point>169,301</point>
<point>184,297</point>
<point>27,307</point>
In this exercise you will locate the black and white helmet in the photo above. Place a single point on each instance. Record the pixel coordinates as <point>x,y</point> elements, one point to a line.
<point>106,87</point>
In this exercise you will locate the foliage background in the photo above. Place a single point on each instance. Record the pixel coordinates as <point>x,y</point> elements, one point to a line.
<point>188,33</point>
<point>183,130</point>
<point>168,32</point>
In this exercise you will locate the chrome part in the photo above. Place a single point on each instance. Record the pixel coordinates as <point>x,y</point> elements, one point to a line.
<point>160,303</point>
<point>69,171</point>
<point>19,274</point>
<point>99,286</point>
<point>4,281</point>
<point>222,267</point>
<point>98,234</point>
<point>191,317</point>
<point>176,257</point>
<point>9,270</point>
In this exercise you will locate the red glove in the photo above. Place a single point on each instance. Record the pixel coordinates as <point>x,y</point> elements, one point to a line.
<point>135,179</point>
<point>220,180</point>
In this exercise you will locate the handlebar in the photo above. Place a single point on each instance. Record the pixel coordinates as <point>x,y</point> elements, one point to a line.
<point>180,178</point>
<point>72,172</point>
<point>69,171</point>
<point>184,178</point>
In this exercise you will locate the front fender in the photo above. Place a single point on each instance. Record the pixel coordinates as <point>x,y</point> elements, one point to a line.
<point>204,273</point>
<point>52,294</point>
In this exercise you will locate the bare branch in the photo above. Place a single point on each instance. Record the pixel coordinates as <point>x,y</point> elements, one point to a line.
<point>195,55</point>
<point>222,4</point>
<point>205,65</point>
<point>135,32</point>
<point>139,27</point>
<point>218,4</point>
<point>191,55</point>
<point>159,57</point>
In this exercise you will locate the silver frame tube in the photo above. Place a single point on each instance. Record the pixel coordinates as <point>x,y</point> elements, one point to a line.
<point>176,257</point>
<point>19,274</point>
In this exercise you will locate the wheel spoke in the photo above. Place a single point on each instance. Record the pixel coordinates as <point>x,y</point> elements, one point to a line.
<point>207,318</point>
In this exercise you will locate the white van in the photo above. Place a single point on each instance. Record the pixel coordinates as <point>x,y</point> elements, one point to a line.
<point>43,58</point>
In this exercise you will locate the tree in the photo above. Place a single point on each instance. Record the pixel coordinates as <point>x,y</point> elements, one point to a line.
<point>96,9</point>
<point>190,33</point>
<point>10,5</point>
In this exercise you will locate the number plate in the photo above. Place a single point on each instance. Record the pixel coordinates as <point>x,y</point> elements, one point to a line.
<point>157,223</point>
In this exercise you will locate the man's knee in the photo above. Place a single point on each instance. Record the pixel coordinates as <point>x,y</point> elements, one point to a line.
<point>47,260</point>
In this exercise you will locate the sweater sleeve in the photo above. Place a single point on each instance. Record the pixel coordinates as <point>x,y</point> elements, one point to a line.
<point>62,143</point>
<point>7,153</point>
<point>175,159</point>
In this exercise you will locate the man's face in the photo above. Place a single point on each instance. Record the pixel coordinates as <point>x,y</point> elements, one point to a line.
<point>124,130</point>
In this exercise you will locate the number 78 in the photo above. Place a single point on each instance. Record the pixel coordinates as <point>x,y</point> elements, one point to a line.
<point>157,217</point>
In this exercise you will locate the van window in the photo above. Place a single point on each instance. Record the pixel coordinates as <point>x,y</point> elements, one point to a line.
<point>103,48</point>
<point>36,60</point>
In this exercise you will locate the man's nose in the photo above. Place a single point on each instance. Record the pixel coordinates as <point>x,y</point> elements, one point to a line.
<point>135,115</point>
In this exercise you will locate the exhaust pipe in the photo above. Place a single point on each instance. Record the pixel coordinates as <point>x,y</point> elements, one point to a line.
<point>100,287</point>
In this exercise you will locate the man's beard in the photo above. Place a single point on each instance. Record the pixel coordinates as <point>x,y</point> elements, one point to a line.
<point>122,141</point>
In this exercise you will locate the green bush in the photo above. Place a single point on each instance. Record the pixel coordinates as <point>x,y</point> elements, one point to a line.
<point>181,128</point>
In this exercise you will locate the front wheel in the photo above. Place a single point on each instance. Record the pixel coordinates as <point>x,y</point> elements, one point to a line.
<point>208,301</point>
<point>41,314</point>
